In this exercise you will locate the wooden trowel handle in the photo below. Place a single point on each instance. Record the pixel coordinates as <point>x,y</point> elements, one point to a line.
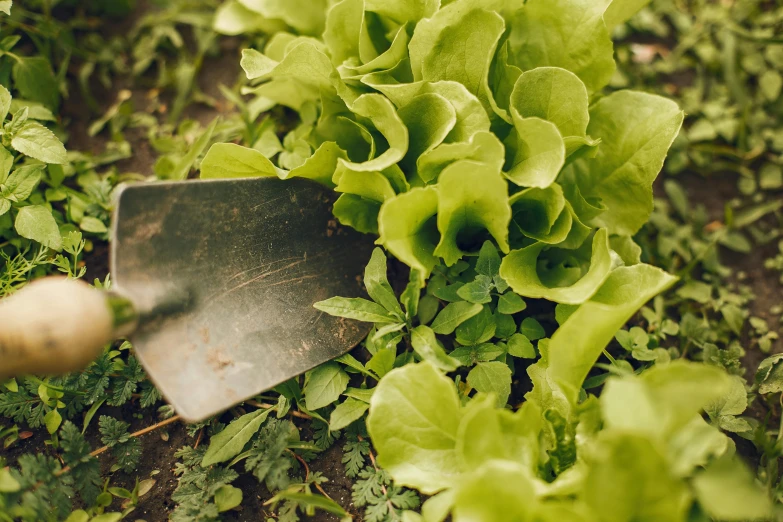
<point>57,325</point>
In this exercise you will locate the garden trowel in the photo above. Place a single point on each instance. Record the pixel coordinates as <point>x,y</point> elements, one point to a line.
<point>213,282</point>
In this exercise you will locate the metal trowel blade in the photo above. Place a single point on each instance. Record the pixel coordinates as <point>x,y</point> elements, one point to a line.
<point>225,274</point>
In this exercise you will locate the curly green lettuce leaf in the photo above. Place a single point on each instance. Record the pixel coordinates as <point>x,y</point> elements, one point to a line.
<point>555,95</point>
<point>403,11</point>
<point>344,23</point>
<point>357,212</point>
<point>500,491</point>
<point>636,130</point>
<point>559,275</point>
<point>457,44</point>
<point>541,214</point>
<point>408,228</point>
<point>429,118</point>
<point>392,61</point>
<point>378,111</point>
<point>472,200</point>
<point>471,117</point>
<point>629,479</point>
<point>535,152</point>
<point>306,16</point>
<point>620,11</point>
<point>483,147</point>
<point>232,18</point>
<point>304,75</point>
<point>413,422</point>
<point>577,344</point>
<point>570,34</point>
<point>727,490</point>
<point>663,399</point>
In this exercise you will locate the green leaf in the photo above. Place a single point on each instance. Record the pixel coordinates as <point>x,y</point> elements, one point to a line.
<point>316,501</point>
<point>636,131</point>
<point>488,262</point>
<point>477,291</point>
<point>182,169</point>
<point>482,147</point>
<point>357,212</point>
<point>770,83</point>
<point>318,167</point>
<point>620,11</point>
<point>664,399</point>
<point>378,286</point>
<point>562,283</point>
<point>35,80</point>
<point>52,420</point>
<point>303,75</point>
<point>532,329</point>
<point>723,410</point>
<point>576,345</point>
<point>324,385</point>
<point>492,377</point>
<point>536,151</point>
<point>8,484</point>
<point>500,491</point>
<point>477,329</point>
<point>472,197</point>
<point>630,480</point>
<point>306,16</point>
<point>227,497</point>
<point>403,11</point>
<point>520,346</point>
<point>35,110</point>
<point>727,491</point>
<point>38,142</point>
<point>543,215</point>
<point>427,346</point>
<point>21,182</point>
<point>769,375</point>
<point>381,112</point>
<point>382,362</point>
<point>734,317</point>
<point>627,249</point>
<point>6,163</point>
<point>343,31</point>
<point>413,421</point>
<point>93,225</point>
<point>564,33</point>
<point>232,18</point>
<point>510,303</point>
<point>355,308</point>
<point>227,160</point>
<point>408,229</point>
<point>429,118</point>
<point>5,103</point>
<point>453,315</point>
<point>346,413</point>
<point>411,296</point>
<point>471,116</point>
<point>229,443</point>
<point>37,223</point>
<point>438,51</point>
<point>555,95</point>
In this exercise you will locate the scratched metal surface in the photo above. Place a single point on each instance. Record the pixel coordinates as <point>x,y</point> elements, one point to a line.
<point>226,272</point>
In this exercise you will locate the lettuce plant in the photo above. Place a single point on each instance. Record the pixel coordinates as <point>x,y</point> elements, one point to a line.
<point>474,137</point>
<point>442,126</point>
